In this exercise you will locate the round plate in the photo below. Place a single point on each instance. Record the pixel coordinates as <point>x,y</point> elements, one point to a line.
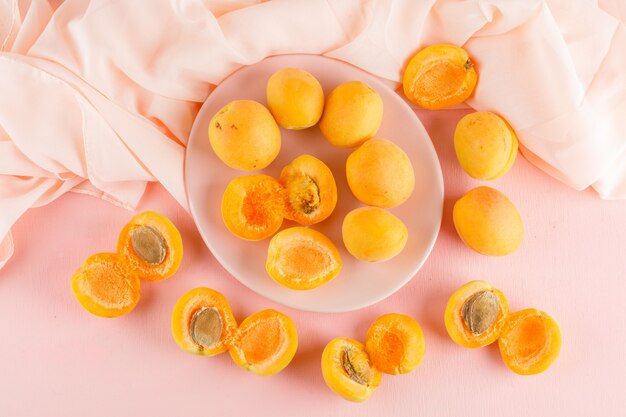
<point>359,284</point>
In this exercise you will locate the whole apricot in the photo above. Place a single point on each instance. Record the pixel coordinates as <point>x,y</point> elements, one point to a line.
<point>295,98</point>
<point>485,145</point>
<point>352,114</point>
<point>488,222</point>
<point>373,234</point>
<point>380,174</point>
<point>244,135</point>
<point>439,76</point>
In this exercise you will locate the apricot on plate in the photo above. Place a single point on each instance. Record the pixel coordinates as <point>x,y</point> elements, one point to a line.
<point>395,344</point>
<point>380,174</point>
<point>151,246</point>
<point>104,287</point>
<point>373,234</point>
<point>439,76</point>
<point>265,343</point>
<point>485,145</point>
<point>244,135</point>
<point>302,259</point>
<point>352,114</point>
<point>253,206</point>
<point>476,314</point>
<point>488,222</point>
<point>295,98</point>
<point>348,371</point>
<point>202,322</point>
<point>311,190</point>
<point>530,342</point>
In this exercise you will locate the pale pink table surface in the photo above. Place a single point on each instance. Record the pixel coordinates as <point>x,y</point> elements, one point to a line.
<point>58,360</point>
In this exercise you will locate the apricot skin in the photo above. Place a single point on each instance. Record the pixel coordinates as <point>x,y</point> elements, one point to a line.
<point>395,344</point>
<point>301,258</point>
<point>456,326</point>
<point>439,76</point>
<point>485,145</point>
<point>380,174</point>
<point>310,188</point>
<point>488,222</point>
<point>530,342</point>
<point>295,98</point>
<point>352,114</point>
<point>372,234</point>
<point>265,343</point>
<point>336,377</point>
<point>244,135</point>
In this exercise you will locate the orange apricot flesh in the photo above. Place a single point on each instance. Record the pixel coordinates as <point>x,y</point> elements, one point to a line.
<point>202,322</point>
<point>439,76</point>
<point>348,371</point>
<point>253,206</point>
<point>311,190</point>
<point>151,246</point>
<point>476,314</point>
<point>395,344</point>
<point>530,342</point>
<point>302,259</point>
<point>265,343</point>
<point>104,287</point>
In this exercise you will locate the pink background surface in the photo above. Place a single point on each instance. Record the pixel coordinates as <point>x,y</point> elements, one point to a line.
<point>58,360</point>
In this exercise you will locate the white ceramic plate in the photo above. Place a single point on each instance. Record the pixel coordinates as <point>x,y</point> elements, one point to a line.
<point>359,284</point>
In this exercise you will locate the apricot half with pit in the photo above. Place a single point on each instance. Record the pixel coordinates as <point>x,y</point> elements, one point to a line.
<point>244,135</point>
<point>352,114</point>
<point>395,344</point>
<point>310,188</point>
<point>488,222</point>
<point>530,342</point>
<point>301,258</point>
<point>253,206</point>
<point>348,371</point>
<point>476,314</point>
<point>373,234</point>
<point>105,287</point>
<point>295,98</point>
<point>439,76</point>
<point>485,145</point>
<point>202,322</point>
<point>380,174</point>
<point>151,246</point>
<point>265,343</point>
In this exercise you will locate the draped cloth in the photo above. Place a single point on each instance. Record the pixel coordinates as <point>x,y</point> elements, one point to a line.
<point>98,97</point>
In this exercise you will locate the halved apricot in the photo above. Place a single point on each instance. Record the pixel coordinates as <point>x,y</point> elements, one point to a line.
<point>348,371</point>
<point>476,314</point>
<point>253,206</point>
<point>439,76</point>
<point>395,343</point>
<point>104,287</point>
<point>301,258</point>
<point>265,343</point>
<point>151,246</point>
<point>202,322</point>
<point>530,342</point>
<point>311,190</point>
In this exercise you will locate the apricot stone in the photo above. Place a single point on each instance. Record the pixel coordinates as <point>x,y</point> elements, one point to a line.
<point>244,135</point>
<point>295,98</point>
<point>352,114</point>
<point>380,174</point>
<point>373,234</point>
<point>488,222</point>
<point>485,145</point>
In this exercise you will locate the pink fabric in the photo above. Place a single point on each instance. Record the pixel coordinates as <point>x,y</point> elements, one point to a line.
<point>98,96</point>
